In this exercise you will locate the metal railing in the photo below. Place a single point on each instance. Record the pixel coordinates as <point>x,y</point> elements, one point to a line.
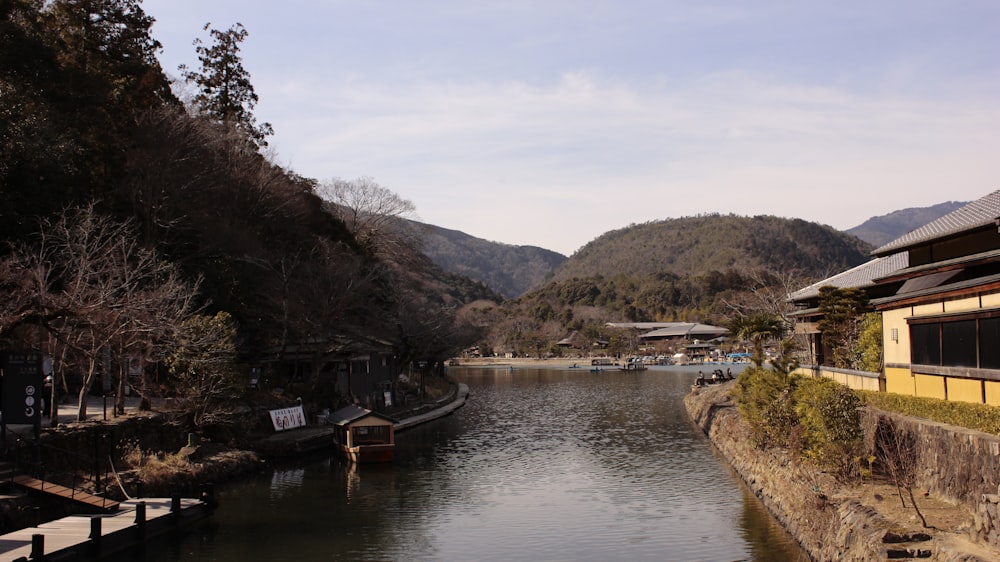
<point>28,456</point>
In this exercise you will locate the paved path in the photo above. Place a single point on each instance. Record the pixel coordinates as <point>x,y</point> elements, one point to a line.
<point>460,397</point>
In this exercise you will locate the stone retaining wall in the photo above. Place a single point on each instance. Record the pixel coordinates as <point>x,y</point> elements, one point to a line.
<point>958,464</point>
<point>827,527</point>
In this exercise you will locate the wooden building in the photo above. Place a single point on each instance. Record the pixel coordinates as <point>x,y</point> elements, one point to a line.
<point>363,435</point>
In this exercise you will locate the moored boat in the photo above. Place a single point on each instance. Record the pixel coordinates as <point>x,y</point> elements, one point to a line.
<point>363,436</point>
<point>634,364</point>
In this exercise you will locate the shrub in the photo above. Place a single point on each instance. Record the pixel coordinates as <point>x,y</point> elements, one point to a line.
<point>764,398</point>
<point>830,418</point>
<point>979,417</point>
<point>815,417</point>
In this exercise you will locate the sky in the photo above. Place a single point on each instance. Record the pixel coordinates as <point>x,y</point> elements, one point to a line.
<point>550,122</point>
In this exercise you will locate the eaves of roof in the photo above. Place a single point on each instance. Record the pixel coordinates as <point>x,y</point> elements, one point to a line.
<point>859,277</point>
<point>805,312</point>
<point>954,263</point>
<point>957,286</point>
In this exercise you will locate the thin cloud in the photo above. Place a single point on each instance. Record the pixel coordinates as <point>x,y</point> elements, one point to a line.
<point>569,119</point>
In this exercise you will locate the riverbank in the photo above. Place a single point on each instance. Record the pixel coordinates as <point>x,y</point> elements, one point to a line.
<point>830,520</point>
<point>567,362</point>
<point>556,362</point>
<point>167,472</point>
<point>314,438</point>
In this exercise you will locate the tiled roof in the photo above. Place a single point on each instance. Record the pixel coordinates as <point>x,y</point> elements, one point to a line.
<point>353,413</point>
<point>685,329</point>
<point>977,214</point>
<point>858,277</point>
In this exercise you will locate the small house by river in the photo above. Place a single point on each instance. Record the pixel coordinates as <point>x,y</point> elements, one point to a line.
<point>363,435</point>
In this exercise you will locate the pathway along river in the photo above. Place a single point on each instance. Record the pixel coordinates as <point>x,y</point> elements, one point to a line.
<point>541,464</point>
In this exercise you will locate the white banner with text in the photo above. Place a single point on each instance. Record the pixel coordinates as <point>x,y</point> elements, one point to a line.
<point>288,418</point>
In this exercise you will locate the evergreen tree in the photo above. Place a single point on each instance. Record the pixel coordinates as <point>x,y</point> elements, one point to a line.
<point>842,310</point>
<point>225,92</point>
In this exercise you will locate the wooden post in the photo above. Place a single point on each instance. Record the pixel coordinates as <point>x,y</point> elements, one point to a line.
<point>95,535</point>
<point>140,518</point>
<point>175,507</point>
<point>37,547</point>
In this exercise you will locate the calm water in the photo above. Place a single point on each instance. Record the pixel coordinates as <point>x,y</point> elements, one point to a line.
<point>539,465</point>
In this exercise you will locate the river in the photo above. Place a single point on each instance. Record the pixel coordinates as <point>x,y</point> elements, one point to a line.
<point>541,464</point>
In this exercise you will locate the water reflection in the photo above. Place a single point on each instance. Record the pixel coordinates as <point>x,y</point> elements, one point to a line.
<point>539,465</point>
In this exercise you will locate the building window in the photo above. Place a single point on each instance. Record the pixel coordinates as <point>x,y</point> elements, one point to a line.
<point>960,342</point>
<point>925,344</point>
<point>989,343</point>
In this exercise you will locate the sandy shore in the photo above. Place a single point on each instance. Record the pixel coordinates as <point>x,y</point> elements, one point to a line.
<point>521,362</point>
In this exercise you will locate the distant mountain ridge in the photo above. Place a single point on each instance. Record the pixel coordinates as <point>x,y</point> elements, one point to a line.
<point>883,229</point>
<point>684,246</point>
<point>507,269</point>
<point>699,244</point>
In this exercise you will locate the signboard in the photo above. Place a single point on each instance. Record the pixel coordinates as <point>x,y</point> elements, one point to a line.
<point>21,391</point>
<point>288,418</point>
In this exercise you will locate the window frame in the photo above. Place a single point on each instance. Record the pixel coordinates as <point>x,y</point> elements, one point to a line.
<point>945,362</point>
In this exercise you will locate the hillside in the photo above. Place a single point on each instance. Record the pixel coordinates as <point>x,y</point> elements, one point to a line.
<point>507,269</point>
<point>696,245</point>
<point>883,229</point>
<point>99,153</point>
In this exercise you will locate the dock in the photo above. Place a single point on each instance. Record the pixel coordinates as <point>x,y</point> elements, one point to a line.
<point>93,537</point>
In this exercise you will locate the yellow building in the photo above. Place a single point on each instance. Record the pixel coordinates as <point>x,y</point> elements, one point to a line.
<point>938,291</point>
<point>941,327</point>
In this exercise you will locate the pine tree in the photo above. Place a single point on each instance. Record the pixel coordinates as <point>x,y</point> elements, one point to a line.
<point>225,92</point>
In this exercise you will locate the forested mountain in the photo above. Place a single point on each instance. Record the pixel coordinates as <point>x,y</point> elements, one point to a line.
<point>883,229</point>
<point>135,226</point>
<point>507,269</point>
<point>704,243</point>
<point>708,268</point>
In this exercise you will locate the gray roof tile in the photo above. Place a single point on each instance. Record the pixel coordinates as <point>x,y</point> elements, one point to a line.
<point>858,277</point>
<point>977,214</point>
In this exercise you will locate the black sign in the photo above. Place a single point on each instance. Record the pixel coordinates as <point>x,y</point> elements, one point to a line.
<point>21,391</point>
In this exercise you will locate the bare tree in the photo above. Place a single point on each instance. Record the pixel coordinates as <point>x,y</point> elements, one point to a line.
<point>767,292</point>
<point>896,451</point>
<point>372,213</point>
<point>328,295</point>
<point>156,308</point>
<point>16,291</point>
<point>111,291</point>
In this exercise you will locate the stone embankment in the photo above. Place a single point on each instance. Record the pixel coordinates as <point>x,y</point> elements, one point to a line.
<point>829,520</point>
<point>165,472</point>
<point>961,465</point>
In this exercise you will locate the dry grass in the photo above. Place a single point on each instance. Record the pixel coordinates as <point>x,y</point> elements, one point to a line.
<point>156,469</point>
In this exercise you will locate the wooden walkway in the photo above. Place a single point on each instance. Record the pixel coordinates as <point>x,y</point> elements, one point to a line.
<point>92,537</point>
<point>80,497</point>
